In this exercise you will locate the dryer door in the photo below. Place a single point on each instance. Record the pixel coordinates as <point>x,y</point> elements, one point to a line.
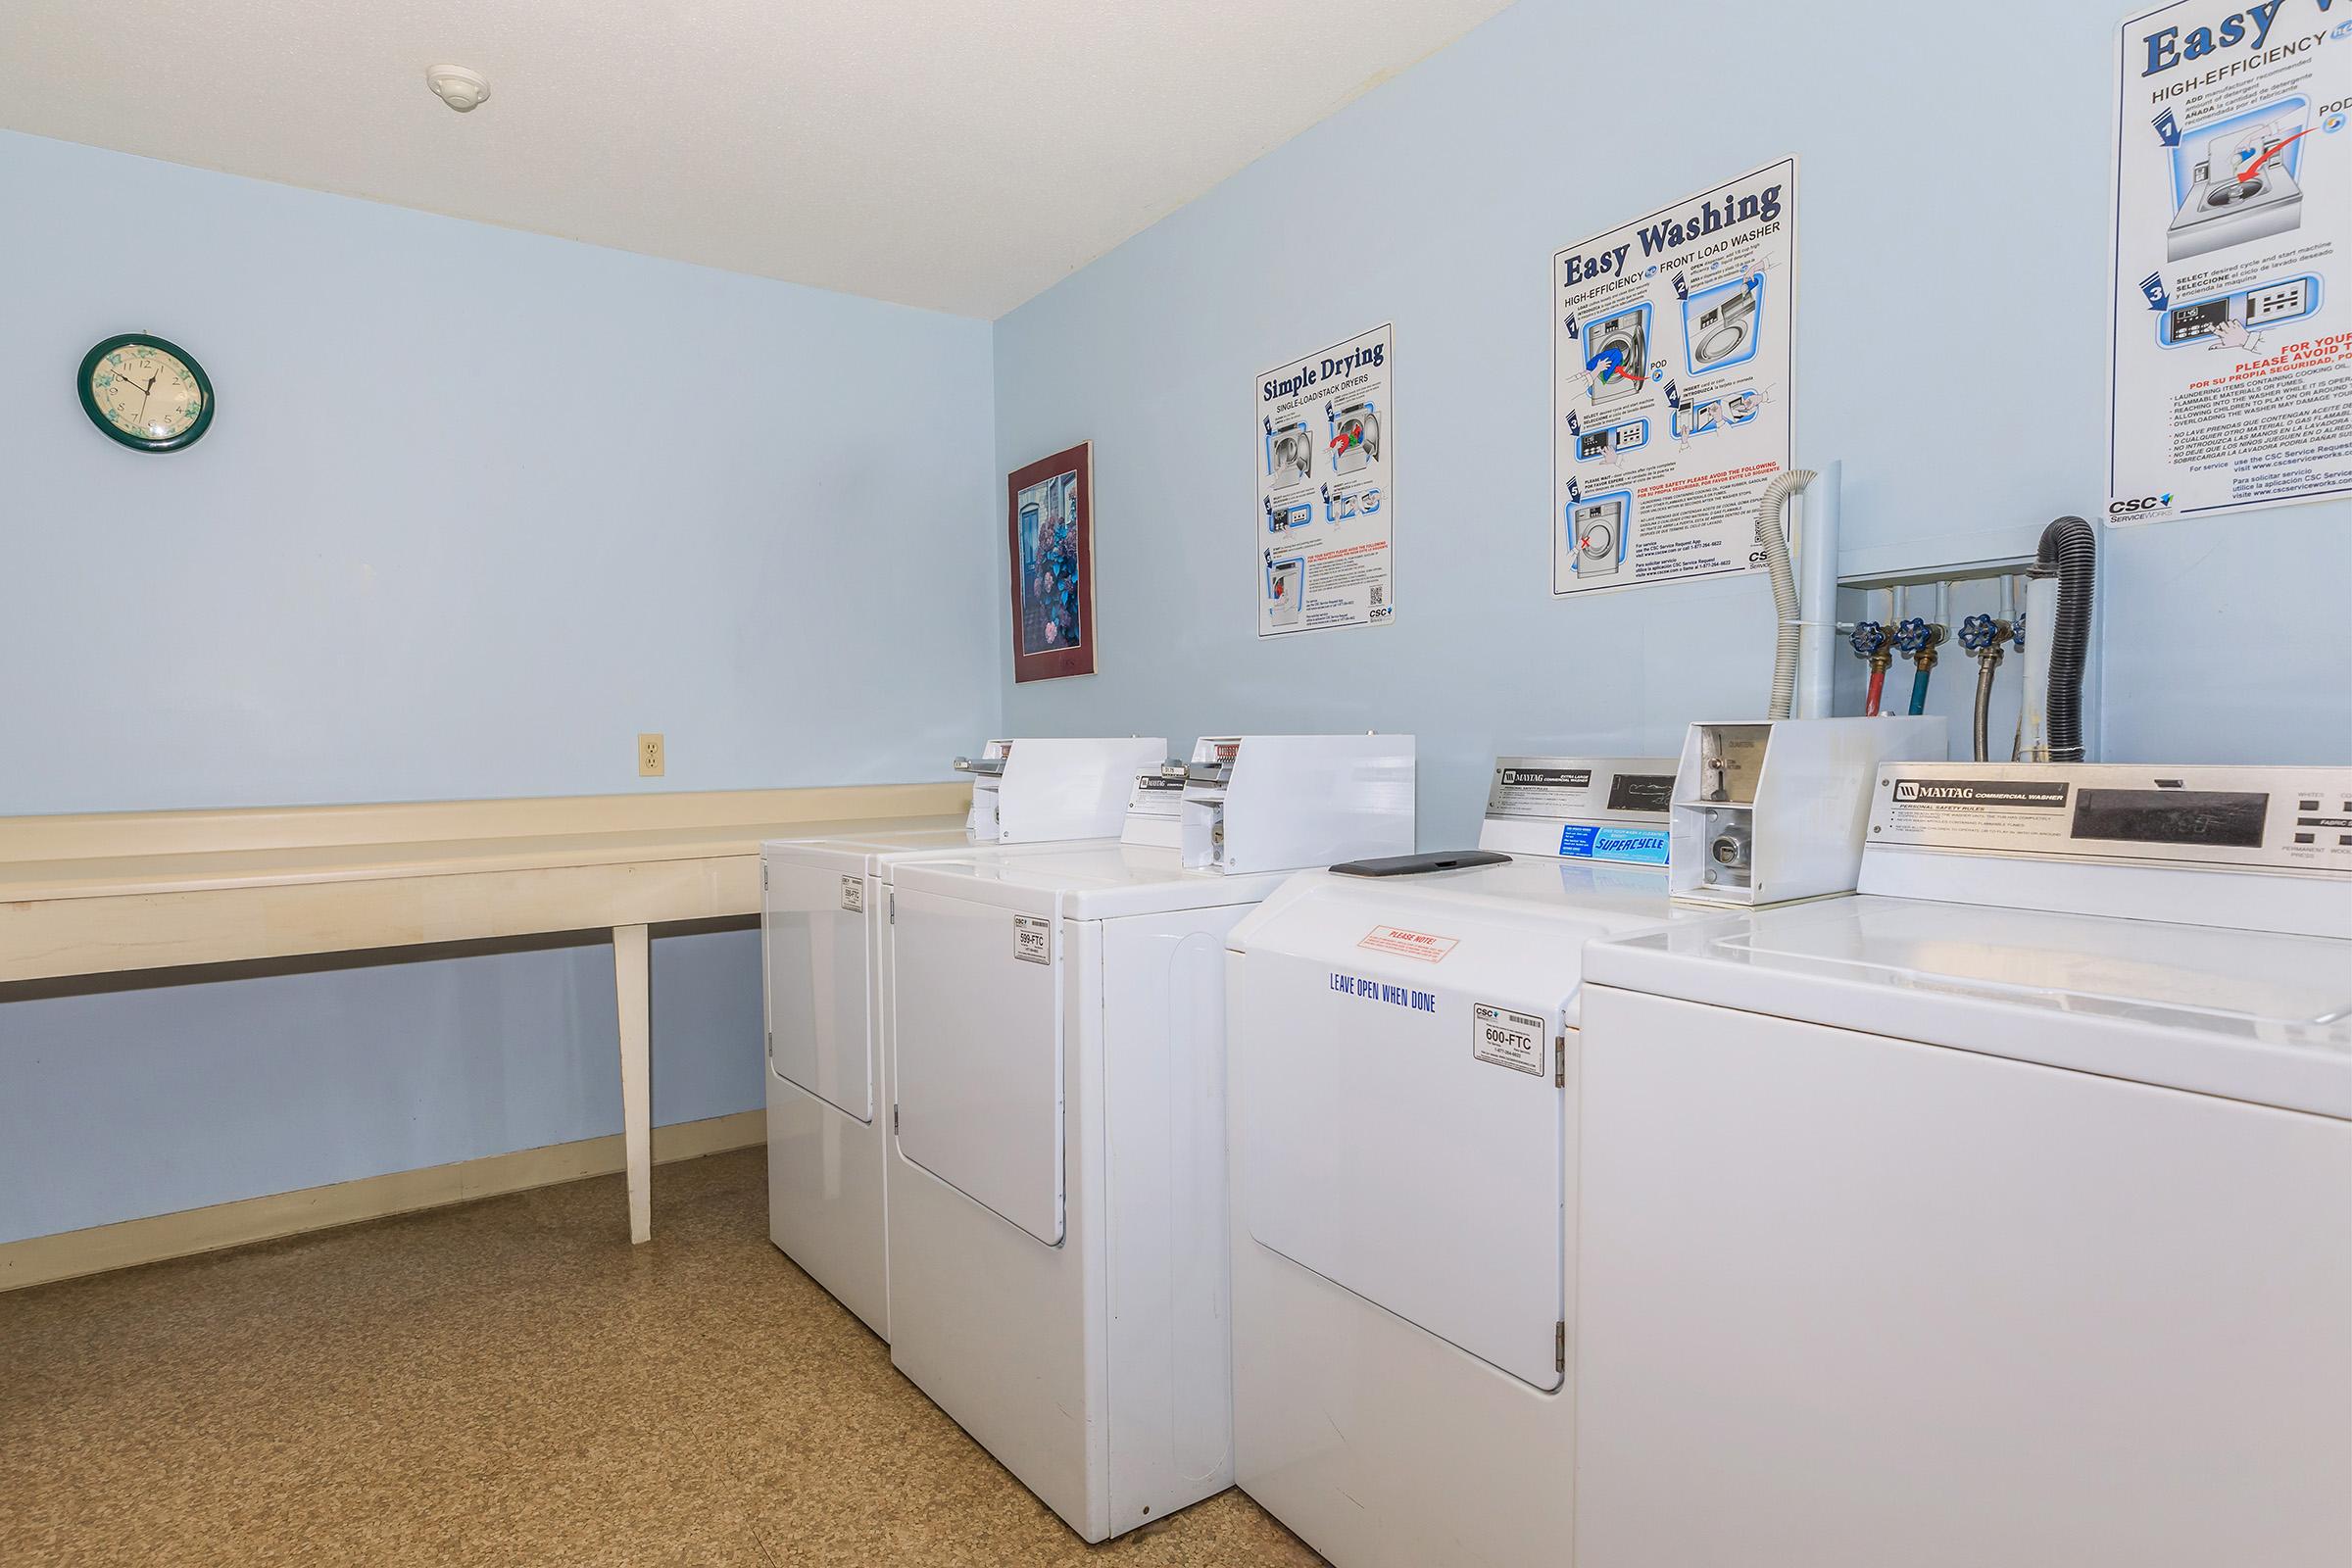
<point>977,1031</point>
<point>820,960</point>
<point>1400,1142</point>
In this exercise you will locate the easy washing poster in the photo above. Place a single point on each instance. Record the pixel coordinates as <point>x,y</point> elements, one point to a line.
<point>1326,500</point>
<point>1673,351</point>
<point>2230,377</point>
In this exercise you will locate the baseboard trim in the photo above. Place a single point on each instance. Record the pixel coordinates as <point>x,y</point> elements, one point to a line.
<point>40,1260</point>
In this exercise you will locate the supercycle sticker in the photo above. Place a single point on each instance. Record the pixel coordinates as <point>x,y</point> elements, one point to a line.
<point>1637,846</point>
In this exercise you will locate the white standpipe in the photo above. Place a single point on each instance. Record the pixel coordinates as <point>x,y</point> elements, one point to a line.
<point>1817,593</point>
<point>2033,714</point>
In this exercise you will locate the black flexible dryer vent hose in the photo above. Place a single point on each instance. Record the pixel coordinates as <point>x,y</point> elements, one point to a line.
<point>2071,551</point>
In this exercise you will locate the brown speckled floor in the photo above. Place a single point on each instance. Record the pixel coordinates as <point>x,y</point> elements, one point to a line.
<point>510,1383</point>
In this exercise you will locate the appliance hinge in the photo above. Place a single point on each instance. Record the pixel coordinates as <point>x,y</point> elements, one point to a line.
<point>763,873</point>
<point>893,1118</point>
<point>1559,1345</point>
<point>894,906</point>
<point>1559,1061</point>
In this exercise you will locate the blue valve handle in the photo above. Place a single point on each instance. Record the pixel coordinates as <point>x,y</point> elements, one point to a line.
<point>1979,633</point>
<point>1869,639</point>
<point>1914,637</point>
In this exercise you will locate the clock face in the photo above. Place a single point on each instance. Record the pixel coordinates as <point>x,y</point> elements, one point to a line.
<point>146,393</point>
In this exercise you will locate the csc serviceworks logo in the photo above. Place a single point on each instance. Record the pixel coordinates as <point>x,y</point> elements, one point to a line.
<point>2141,506</point>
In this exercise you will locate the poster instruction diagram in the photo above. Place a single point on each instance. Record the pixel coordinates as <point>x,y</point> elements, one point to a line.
<point>2230,381</point>
<point>1326,447</point>
<point>1672,353</point>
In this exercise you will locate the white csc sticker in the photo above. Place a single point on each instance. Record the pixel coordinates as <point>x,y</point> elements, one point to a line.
<point>1506,1038</point>
<point>852,894</point>
<point>1033,939</point>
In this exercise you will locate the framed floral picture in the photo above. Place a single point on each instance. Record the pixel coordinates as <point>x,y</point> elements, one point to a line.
<point>1049,534</point>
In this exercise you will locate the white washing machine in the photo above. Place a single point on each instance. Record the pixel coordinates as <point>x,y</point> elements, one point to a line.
<point>2002,1214</point>
<point>824,909</point>
<point>1057,1192</point>
<point>1401,1084</point>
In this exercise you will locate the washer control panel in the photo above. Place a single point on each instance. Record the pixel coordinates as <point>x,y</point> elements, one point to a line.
<point>2292,821</point>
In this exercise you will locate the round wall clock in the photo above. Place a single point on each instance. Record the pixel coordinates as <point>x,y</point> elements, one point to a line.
<point>145,393</point>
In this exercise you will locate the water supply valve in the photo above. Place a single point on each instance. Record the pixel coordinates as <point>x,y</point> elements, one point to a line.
<point>1869,641</point>
<point>1983,636</point>
<point>1918,639</point>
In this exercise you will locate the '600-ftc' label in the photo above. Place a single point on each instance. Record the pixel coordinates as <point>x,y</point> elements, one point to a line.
<point>1033,939</point>
<point>1506,1038</point>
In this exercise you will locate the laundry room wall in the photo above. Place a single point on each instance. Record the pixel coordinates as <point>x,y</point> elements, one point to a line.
<point>478,507</point>
<point>1951,350</point>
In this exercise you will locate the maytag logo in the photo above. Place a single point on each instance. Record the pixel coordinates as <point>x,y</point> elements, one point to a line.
<point>1977,792</point>
<point>1558,779</point>
<point>2141,507</point>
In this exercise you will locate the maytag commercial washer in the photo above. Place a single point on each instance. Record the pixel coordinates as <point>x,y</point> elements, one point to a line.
<point>2002,1214</point>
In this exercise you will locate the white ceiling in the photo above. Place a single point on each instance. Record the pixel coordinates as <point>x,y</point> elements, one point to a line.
<point>957,153</point>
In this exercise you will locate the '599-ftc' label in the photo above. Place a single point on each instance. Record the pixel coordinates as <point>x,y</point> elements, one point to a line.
<point>1032,938</point>
<point>1506,1038</point>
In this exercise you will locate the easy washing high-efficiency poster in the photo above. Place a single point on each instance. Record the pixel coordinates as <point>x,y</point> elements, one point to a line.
<point>1325,498</point>
<point>2230,381</point>
<point>1673,352</point>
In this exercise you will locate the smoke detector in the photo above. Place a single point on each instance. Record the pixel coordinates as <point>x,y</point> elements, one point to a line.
<point>457,86</point>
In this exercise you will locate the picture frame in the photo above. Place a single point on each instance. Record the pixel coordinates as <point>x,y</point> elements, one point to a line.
<point>1050,563</point>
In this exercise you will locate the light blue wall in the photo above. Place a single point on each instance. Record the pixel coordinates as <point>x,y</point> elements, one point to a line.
<point>1951,350</point>
<point>478,505</point>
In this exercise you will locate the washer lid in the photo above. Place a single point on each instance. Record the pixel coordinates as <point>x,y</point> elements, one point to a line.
<point>870,851</point>
<point>2247,1016</point>
<point>1091,883</point>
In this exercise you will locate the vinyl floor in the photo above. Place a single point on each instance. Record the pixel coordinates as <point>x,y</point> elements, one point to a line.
<point>510,1382</point>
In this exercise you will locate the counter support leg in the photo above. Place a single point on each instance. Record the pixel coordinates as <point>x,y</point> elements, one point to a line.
<point>632,981</point>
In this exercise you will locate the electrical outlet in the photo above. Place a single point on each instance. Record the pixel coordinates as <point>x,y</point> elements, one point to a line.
<point>649,756</point>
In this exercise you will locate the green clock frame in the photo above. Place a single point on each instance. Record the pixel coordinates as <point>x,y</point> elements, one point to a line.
<point>89,404</point>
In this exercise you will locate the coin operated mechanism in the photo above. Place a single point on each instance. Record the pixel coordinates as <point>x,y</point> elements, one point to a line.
<point>1772,810</point>
<point>1271,803</point>
<point>1044,789</point>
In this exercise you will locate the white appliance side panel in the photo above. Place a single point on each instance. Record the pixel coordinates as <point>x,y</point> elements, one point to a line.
<point>818,982</point>
<point>1846,1300</point>
<point>826,1198</point>
<point>1007,1337</point>
<point>979,1048</point>
<point>1163,1030</point>
<point>1381,1444</point>
<point>1383,1154</point>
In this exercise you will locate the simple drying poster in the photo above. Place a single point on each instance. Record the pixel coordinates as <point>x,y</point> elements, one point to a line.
<point>1326,452</point>
<point>1672,359</point>
<point>2230,381</point>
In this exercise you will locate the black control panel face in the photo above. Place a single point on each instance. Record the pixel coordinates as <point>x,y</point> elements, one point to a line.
<point>1641,792</point>
<point>2172,816</point>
